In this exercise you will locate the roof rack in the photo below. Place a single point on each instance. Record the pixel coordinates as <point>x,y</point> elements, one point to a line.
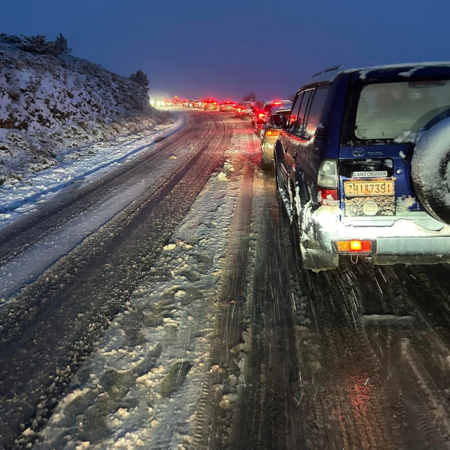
<point>328,74</point>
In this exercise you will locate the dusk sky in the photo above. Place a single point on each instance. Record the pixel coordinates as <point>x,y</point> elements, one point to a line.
<point>225,49</point>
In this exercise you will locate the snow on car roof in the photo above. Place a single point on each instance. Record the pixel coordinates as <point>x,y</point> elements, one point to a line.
<point>328,75</point>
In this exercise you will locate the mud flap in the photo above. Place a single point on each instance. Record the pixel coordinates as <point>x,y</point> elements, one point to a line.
<point>316,259</point>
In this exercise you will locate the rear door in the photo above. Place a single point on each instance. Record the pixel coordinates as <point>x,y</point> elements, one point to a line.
<point>295,154</point>
<point>286,139</point>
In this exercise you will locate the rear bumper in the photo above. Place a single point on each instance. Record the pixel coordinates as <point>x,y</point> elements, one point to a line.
<point>404,239</point>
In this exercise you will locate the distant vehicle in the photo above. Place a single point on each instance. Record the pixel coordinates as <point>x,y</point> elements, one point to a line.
<point>262,109</point>
<point>247,109</point>
<point>191,103</point>
<point>210,104</point>
<point>270,131</point>
<point>166,103</point>
<point>228,105</point>
<point>361,166</point>
<point>176,101</point>
<point>238,110</point>
<point>197,104</point>
<point>184,103</point>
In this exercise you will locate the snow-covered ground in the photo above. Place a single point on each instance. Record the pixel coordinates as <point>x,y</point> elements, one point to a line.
<point>32,186</point>
<point>141,387</point>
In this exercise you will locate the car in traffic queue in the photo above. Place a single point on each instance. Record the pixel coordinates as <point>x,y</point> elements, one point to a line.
<point>277,120</point>
<point>238,110</point>
<point>227,105</point>
<point>210,105</point>
<point>262,109</point>
<point>247,109</point>
<point>361,167</point>
<point>197,104</point>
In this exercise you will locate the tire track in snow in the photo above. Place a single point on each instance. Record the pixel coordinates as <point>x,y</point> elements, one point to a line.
<point>72,303</point>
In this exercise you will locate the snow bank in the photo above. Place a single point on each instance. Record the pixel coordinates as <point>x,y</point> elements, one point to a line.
<point>50,104</point>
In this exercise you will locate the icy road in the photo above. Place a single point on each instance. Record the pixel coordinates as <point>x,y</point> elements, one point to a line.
<point>161,307</point>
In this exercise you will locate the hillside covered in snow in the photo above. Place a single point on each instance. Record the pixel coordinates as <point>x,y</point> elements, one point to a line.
<point>50,104</point>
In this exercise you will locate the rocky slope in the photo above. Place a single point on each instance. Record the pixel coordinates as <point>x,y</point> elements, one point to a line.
<point>51,104</point>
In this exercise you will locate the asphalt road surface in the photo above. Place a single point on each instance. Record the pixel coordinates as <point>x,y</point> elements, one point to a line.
<point>355,358</point>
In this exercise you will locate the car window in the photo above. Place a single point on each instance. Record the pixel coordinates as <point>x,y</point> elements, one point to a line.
<point>298,124</point>
<point>294,112</point>
<point>278,120</point>
<point>315,111</point>
<point>386,110</point>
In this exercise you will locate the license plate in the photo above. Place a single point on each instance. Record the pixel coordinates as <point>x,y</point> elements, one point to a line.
<point>365,188</point>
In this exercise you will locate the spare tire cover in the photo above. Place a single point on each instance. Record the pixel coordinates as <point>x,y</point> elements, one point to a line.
<point>431,170</point>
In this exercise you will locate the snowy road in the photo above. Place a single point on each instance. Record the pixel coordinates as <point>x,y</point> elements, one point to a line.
<point>185,322</point>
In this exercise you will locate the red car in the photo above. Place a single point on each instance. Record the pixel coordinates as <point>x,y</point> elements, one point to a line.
<point>227,106</point>
<point>210,104</point>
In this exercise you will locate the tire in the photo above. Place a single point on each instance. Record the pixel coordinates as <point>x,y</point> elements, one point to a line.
<point>430,170</point>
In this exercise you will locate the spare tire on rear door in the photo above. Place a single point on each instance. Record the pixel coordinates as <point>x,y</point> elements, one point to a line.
<point>431,170</point>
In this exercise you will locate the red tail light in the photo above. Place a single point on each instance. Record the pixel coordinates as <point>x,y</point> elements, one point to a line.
<point>277,103</point>
<point>327,197</point>
<point>273,132</point>
<point>262,116</point>
<point>215,103</point>
<point>239,109</point>
<point>354,246</point>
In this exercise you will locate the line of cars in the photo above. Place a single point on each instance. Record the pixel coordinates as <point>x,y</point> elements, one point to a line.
<point>208,104</point>
<point>362,165</point>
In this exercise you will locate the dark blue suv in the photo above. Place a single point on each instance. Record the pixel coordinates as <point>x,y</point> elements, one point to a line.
<point>362,166</point>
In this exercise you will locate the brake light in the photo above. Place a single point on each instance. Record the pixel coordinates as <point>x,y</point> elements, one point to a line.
<point>277,103</point>
<point>234,104</point>
<point>215,103</point>
<point>327,197</point>
<point>262,116</point>
<point>273,132</point>
<point>354,246</point>
<point>239,109</point>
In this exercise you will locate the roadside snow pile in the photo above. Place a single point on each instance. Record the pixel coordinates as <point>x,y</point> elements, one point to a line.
<point>49,104</point>
<point>20,193</point>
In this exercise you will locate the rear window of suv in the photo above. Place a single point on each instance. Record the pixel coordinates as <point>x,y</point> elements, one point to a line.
<point>388,111</point>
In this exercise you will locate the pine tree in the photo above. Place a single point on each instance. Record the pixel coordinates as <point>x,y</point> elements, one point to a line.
<point>35,44</point>
<point>61,46</point>
<point>141,78</point>
<point>249,97</point>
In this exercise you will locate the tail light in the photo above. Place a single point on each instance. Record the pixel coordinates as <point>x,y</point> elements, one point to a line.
<point>262,116</point>
<point>239,109</point>
<point>273,132</point>
<point>327,183</point>
<point>277,103</point>
<point>234,104</point>
<point>354,246</point>
<point>215,103</point>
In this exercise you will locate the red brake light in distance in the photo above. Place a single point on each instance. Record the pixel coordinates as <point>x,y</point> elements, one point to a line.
<point>277,103</point>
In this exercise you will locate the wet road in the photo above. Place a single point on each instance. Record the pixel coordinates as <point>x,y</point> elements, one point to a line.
<point>356,358</point>
<point>53,323</point>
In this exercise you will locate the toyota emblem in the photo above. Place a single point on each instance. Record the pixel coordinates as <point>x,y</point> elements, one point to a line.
<point>358,152</point>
